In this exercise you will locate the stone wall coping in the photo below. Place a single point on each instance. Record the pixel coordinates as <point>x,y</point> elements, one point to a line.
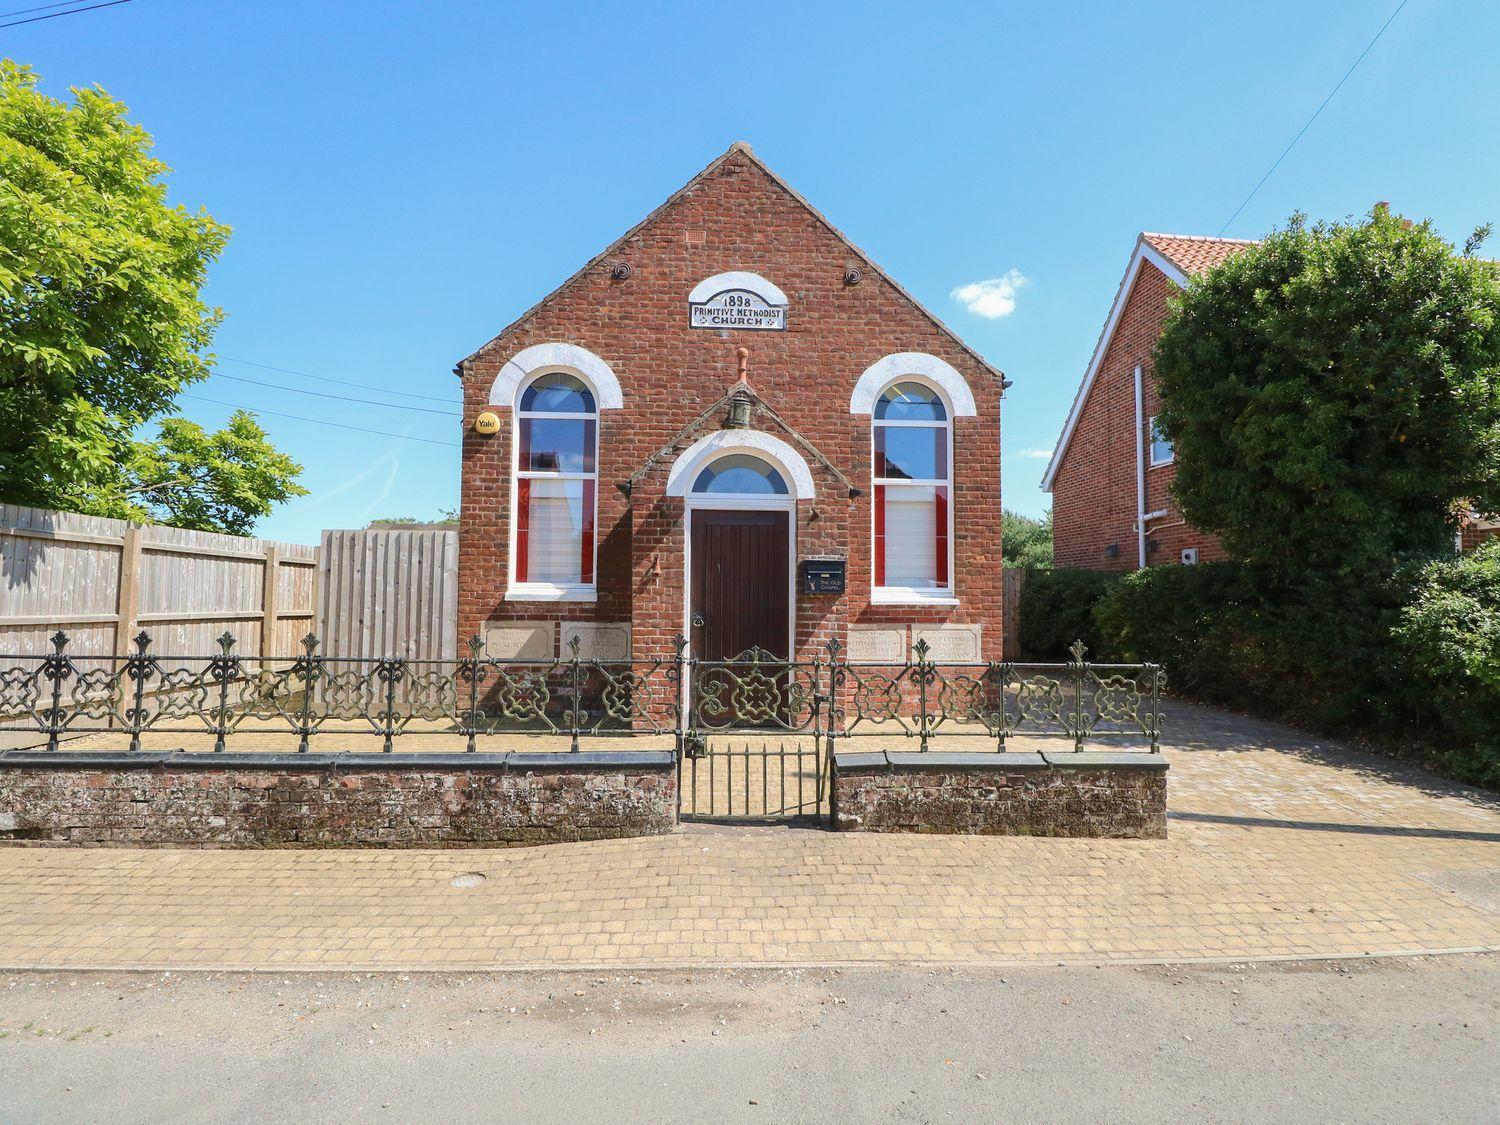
<point>936,760</point>
<point>346,761</point>
<point>948,760</point>
<point>1104,759</point>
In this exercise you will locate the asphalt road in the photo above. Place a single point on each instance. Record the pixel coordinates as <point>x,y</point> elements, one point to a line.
<point>1397,1040</point>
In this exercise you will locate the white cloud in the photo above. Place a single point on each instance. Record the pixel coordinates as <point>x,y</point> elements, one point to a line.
<point>992,298</point>
<point>1032,454</point>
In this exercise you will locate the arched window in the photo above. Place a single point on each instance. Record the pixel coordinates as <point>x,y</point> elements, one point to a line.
<point>912,478</point>
<point>556,479</point>
<point>740,474</point>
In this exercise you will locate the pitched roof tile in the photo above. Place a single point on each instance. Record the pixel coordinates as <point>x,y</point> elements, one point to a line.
<point>1195,253</point>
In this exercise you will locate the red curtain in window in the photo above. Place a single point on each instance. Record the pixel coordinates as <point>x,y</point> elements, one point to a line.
<point>879,534</point>
<point>586,562</point>
<point>523,518</point>
<point>940,517</point>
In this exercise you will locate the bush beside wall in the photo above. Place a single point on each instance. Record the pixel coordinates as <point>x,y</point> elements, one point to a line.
<point>1057,608</point>
<point>1412,663</point>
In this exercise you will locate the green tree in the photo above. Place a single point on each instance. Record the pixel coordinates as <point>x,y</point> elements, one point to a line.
<point>102,325</point>
<point>1025,541</point>
<point>1334,396</point>
<point>223,481</point>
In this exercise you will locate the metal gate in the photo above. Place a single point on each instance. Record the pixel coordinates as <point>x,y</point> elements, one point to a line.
<point>752,776</point>
<point>755,744</point>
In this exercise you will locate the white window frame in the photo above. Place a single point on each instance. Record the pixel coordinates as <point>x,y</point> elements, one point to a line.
<point>517,591</point>
<point>1151,443</point>
<point>913,595</point>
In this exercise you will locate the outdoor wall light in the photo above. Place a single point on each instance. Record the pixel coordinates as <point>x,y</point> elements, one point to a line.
<point>739,412</point>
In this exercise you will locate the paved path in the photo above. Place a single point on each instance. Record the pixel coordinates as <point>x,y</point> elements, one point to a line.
<point>1279,846</point>
<point>1396,1040</point>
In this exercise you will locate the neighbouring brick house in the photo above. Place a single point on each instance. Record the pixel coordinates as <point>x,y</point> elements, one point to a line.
<point>1110,472</point>
<point>730,424</point>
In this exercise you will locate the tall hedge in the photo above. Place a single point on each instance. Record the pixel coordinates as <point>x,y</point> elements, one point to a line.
<point>1057,608</point>
<point>1448,642</point>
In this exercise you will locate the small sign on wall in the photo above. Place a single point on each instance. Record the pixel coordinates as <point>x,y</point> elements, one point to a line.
<point>823,576</point>
<point>737,308</point>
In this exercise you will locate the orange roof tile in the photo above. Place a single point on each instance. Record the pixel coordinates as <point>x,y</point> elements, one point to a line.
<point>1195,253</point>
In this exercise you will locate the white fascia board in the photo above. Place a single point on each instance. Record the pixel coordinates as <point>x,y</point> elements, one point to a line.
<point>1143,252</point>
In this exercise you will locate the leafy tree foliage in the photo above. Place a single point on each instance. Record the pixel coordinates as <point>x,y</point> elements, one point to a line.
<point>1334,395</point>
<point>102,325</point>
<point>223,481</point>
<point>447,517</point>
<point>1026,542</point>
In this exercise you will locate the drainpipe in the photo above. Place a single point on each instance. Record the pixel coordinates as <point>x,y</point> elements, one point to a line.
<point>1140,471</point>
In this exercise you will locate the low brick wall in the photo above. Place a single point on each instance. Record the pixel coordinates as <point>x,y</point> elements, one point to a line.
<point>1088,794</point>
<point>335,800</point>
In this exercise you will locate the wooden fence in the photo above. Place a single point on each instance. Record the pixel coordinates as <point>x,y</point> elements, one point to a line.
<point>1010,613</point>
<point>102,580</point>
<point>389,593</point>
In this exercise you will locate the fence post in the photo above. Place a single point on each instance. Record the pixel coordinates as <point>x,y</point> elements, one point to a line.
<point>224,668</point>
<point>1078,651</point>
<point>269,597</point>
<point>127,589</point>
<point>679,712</point>
<point>309,664</point>
<point>575,713</point>
<point>57,668</point>
<point>1002,670</point>
<point>470,668</point>
<point>1154,671</point>
<point>921,648</point>
<point>138,667</point>
<point>835,721</point>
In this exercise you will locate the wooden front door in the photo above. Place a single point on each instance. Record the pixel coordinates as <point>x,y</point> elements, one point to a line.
<point>739,583</point>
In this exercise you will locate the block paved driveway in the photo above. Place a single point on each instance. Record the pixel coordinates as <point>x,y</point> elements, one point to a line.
<point>1280,846</point>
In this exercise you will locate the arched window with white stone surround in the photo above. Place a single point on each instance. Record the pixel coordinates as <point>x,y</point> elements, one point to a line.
<point>555,488</point>
<point>911,439</point>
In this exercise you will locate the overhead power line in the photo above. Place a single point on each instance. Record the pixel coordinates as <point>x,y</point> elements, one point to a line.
<point>330,379</point>
<point>55,15</point>
<point>1314,117</point>
<point>320,421</point>
<point>341,398</point>
<point>41,8</point>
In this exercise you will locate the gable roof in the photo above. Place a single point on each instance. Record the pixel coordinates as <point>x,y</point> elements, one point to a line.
<point>744,150</point>
<point>1180,257</point>
<point>1195,253</point>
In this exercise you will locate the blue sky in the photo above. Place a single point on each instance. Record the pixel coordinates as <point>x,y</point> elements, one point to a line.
<point>403,179</point>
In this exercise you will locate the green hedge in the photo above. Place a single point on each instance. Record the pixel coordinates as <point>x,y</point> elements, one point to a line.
<point>1411,662</point>
<point>1057,608</point>
<point>1448,641</point>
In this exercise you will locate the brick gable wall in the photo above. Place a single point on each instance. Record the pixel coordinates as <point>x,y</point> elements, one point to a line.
<point>1094,492</point>
<point>739,219</point>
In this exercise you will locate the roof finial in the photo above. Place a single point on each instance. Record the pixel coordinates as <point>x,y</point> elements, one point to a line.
<point>744,357</point>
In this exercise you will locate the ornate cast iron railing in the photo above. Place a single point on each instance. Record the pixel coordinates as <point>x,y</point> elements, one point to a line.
<point>311,699</point>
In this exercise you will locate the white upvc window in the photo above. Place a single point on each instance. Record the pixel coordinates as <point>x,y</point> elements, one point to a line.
<point>555,490</point>
<point>911,443</point>
<point>1161,449</point>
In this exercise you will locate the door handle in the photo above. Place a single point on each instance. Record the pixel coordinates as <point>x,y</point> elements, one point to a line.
<point>698,621</point>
